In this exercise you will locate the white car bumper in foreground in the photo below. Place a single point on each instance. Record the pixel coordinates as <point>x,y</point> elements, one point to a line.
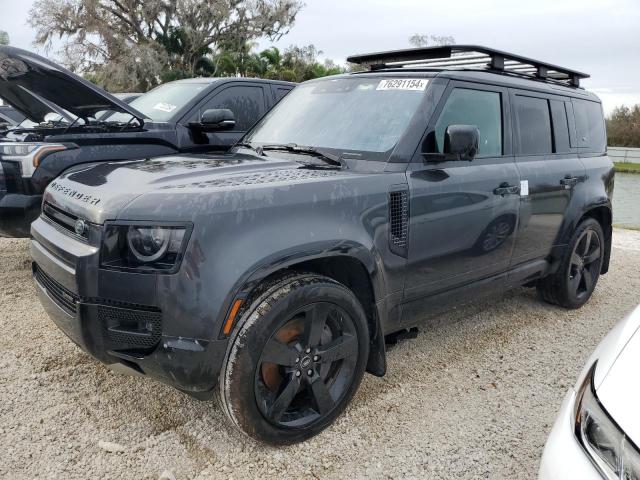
<point>563,457</point>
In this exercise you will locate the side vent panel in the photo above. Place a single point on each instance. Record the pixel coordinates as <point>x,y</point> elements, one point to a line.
<point>399,221</point>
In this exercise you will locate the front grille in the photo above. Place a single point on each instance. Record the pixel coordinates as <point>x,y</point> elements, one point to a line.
<point>130,329</point>
<point>64,298</point>
<point>63,220</point>
<point>124,326</point>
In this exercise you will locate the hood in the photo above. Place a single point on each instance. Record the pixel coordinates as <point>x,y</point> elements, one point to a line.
<point>24,76</point>
<point>98,192</point>
<point>36,108</point>
<point>620,389</point>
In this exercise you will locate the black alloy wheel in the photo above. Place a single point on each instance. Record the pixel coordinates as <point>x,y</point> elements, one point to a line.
<point>307,365</point>
<point>586,259</point>
<point>295,358</point>
<point>575,279</point>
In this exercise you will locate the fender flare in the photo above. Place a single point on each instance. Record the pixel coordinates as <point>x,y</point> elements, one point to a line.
<point>566,232</point>
<point>285,259</point>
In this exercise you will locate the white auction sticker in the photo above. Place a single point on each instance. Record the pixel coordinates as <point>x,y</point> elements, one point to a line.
<point>524,188</point>
<point>164,107</point>
<point>419,84</point>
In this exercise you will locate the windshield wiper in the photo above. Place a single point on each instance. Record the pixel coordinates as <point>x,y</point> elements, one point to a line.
<point>325,156</point>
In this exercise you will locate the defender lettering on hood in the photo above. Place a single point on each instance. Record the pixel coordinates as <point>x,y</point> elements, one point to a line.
<point>75,194</point>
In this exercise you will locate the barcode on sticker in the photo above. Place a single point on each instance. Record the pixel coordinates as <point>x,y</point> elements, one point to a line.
<point>419,84</point>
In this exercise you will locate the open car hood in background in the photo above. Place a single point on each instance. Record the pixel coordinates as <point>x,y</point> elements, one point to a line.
<point>34,107</point>
<point>25,76</point>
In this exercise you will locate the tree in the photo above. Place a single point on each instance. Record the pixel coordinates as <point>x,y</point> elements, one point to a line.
<point>296,64</point>
<point>418,40</point>
<point>301,63</point>
<point>4,38</point>
<point>623,127</point>
<point>135,44</point>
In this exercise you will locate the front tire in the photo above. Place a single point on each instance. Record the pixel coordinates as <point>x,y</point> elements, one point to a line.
<point>295,359</point>
<point>572,285</point>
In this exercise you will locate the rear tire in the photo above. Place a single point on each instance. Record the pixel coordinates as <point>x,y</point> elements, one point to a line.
<point>295,359</point>
<point>572,285</point>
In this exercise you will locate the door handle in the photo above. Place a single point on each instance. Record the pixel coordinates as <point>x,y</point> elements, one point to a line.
<point>568,181</point>
<point>506,189</point>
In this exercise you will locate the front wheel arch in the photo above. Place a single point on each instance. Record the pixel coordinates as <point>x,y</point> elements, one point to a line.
<point>358,274</point>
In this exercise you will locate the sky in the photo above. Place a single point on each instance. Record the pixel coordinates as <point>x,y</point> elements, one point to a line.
<point>599,37</point>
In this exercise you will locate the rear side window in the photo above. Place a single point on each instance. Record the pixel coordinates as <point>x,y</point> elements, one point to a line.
<point>281,92</point>
<point>473,107</point>
<point>589,126</point>
<point>246,103</point>
<point>560,126</point>
<point>534,126</point>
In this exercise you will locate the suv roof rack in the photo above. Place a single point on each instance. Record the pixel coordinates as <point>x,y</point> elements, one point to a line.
<point>469,57</point>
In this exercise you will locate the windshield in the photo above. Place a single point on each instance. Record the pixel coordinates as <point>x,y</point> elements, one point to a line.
<point>163,102</point>
<point>348,114</point>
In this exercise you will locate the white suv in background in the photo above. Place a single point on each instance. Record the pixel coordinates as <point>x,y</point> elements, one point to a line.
<point>597,432</point>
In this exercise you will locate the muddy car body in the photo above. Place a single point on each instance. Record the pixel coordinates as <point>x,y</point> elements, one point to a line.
<point>72,121</point>
<point>348,213</point>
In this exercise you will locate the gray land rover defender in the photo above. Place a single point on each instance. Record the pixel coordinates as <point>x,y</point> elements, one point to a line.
<point>359,206</point>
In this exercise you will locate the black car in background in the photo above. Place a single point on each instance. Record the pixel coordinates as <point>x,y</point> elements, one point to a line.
<point>6,122</point>
<point>9,116</point>
<point>21,127</point>
<point>72,121</point>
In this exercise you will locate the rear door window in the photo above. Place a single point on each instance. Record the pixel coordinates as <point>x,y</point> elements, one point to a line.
<point>534,125</point>
<point>590,127</point>
<point>473,107</point>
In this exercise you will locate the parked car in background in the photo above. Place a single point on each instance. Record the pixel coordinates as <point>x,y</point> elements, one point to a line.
<point>10,116</point>
<point>358,207</point>
<point>90,125</point>
<point>127,97</point>
<point>597,432</point>
<point>5,122</point>
<point>52,115</point>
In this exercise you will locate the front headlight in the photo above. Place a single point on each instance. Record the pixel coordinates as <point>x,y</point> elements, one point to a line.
<point>144,248</point>
<point>615,455</point>
<point>28,155</point>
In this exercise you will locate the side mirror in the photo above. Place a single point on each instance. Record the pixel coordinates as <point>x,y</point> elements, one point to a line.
<point>462,141</point>
<point>215,119</point>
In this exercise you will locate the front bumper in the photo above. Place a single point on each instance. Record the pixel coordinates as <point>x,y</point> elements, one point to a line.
<point>122,318</point>
<point>563,456</point>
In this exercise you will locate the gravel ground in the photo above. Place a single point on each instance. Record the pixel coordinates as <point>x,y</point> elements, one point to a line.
<point>474,396</point>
